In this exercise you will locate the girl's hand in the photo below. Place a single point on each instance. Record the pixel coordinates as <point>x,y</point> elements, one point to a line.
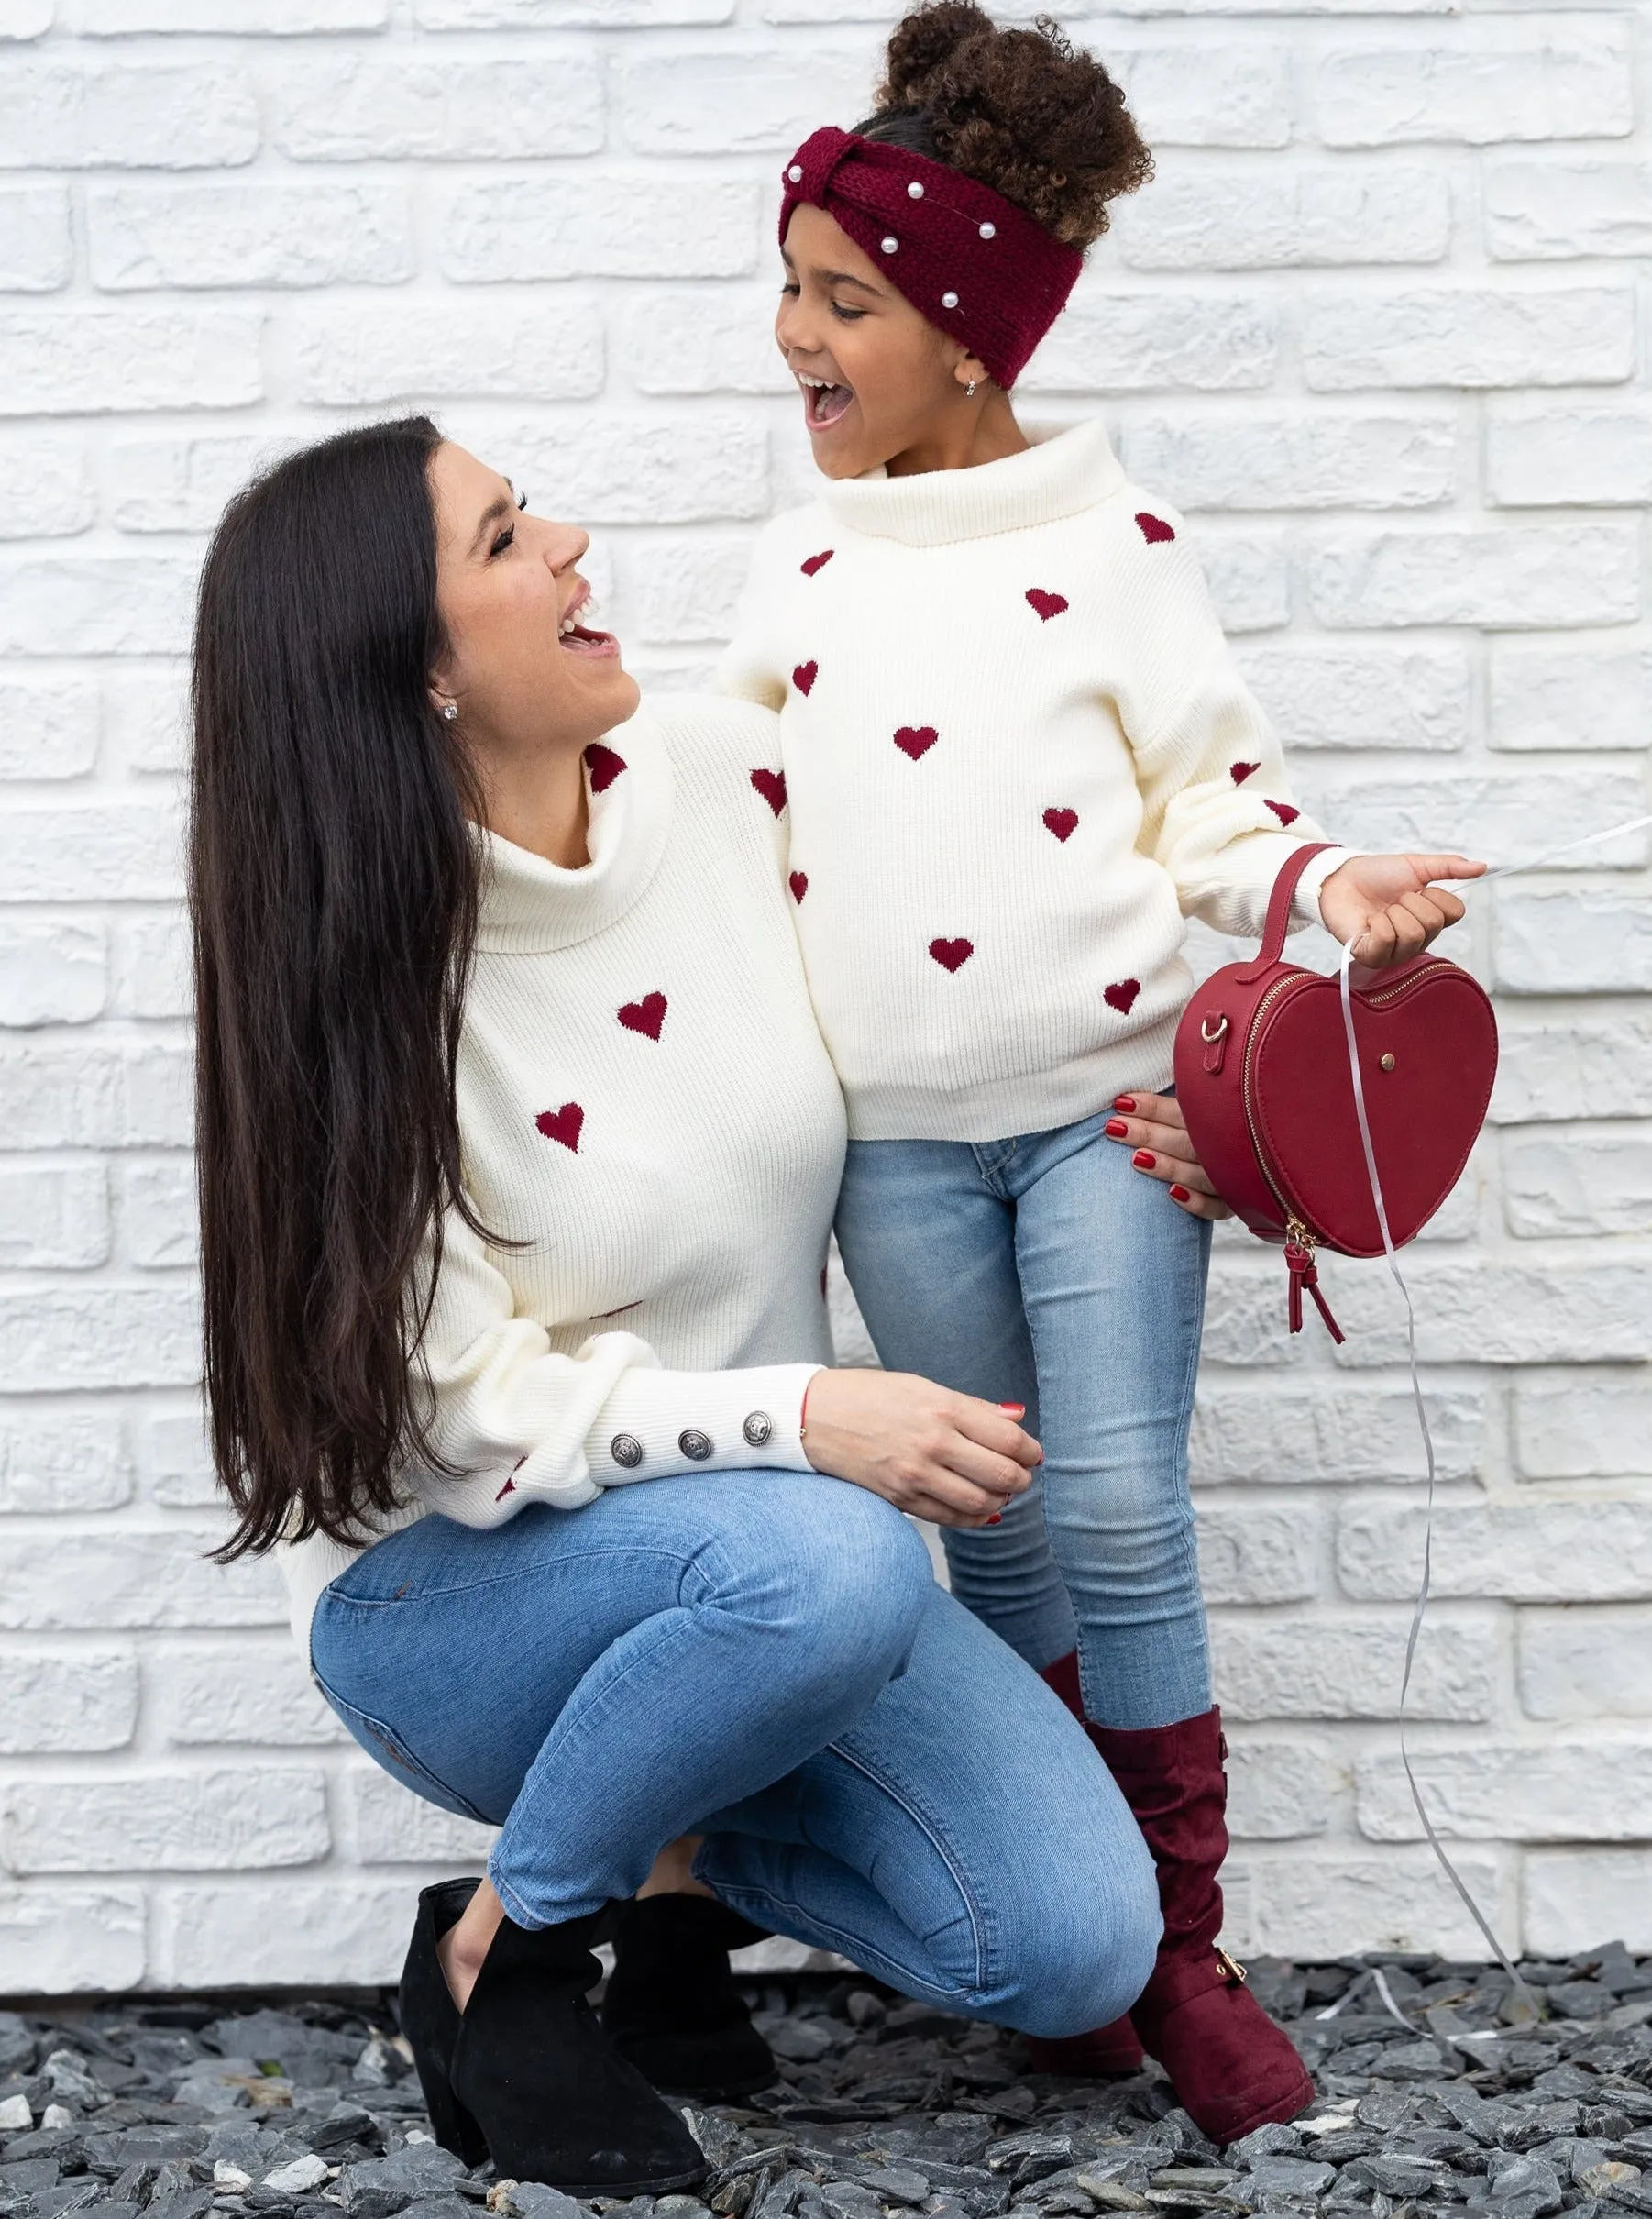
<point>1151,1126</point>
<point>1387,906</point>
<point>939,1455</point>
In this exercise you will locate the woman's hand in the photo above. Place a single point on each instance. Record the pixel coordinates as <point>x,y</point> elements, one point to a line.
<point>1387,906</point>
<point>1151,1126</point>
<point>939,1455</point>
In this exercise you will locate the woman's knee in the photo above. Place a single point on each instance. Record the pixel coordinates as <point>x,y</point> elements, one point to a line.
<point>841,1571</point>
<point>1083,1953</point>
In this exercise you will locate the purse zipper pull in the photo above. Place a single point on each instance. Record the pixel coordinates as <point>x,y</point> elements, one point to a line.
<point>1304,1273</point>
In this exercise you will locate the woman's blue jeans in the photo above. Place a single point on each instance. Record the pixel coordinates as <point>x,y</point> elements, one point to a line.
<point>764,1658</point>
<point>1044,1270</point>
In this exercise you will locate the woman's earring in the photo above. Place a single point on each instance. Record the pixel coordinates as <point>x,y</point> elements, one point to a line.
<point>449,711</point>
<point>969,391</point>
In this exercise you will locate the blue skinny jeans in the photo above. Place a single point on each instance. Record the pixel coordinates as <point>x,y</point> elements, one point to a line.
<point>1044,1270</point>
<point>764,1658</point>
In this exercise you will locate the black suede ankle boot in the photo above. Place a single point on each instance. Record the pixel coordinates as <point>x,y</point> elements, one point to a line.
<point>430,2017</point>
<point>535,2073</point>
<point>672,2006</point>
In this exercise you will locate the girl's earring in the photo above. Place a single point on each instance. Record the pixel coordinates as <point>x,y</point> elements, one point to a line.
<point>449,711</point>
<point>969,391</point>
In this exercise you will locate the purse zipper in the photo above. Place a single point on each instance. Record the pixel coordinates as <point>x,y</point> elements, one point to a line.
<point>1300,1243</point>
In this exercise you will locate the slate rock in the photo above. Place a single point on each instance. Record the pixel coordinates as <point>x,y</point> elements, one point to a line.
<point>1522,2188</point>
<point>382,2186</point>
<point>112,2153</point>
<point>897,2183</point>
<point>16,2044</point>
<point>298,2176</point>
<point>182,2203</point>
<point>535,2199</point>
<point>28,2176</point>
<point>1394,2176</point>
<point>1283,2176</point>
<point>70,2196</point>
<point>1271,2141</point>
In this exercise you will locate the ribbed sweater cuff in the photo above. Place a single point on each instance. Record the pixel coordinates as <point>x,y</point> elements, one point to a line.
<point>655,1424</point>
<point>1305,908</point>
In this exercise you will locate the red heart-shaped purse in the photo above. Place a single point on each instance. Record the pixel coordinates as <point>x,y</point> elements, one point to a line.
<point>1263,1080</point>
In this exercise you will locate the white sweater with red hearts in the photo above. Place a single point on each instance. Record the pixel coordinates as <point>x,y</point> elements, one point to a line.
<point>646,1108</point>
<point>1017,754</point>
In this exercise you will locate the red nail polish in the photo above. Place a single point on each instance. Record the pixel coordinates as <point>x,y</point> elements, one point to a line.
<point>1013,1409</point>
<point>1115,1129</point>
<point>1179,1194</point>
<point>997,1520</point>
<point>1144,1159</point>
<point>1124,1102</point>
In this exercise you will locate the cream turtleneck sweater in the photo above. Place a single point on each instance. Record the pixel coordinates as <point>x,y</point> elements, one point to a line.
<point>645,1103</point>
<point>1018,754</point>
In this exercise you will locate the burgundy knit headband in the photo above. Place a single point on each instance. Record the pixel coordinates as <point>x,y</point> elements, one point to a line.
<point>973,264</point>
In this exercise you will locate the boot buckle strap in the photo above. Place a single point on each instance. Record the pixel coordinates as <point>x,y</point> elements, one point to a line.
<point>1232,1966</point>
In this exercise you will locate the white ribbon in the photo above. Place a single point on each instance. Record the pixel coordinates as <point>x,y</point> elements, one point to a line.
<point>1506,870</point>
<point>1434,1843</point>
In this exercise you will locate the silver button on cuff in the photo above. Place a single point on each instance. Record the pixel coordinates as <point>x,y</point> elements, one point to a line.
<point>695,1445</point>
<point>758,1429</point>
<point>626,1451</point>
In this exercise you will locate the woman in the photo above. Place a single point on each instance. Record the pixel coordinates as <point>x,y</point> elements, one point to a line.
<point>519,1150</point>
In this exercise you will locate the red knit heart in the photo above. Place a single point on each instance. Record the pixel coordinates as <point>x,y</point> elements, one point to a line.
<point>603,765</point>
<point>1284,812</point>
<point>1063,822</point>
<point>817,562</point>
<point>916,740</point>
<point>564,1124</point>
<point>771,785</point>
<point>1047,604</point>
<point>1122,997</point>
<point>1240,772</point>
<point>645,1016</point>
<point>952,954</point>
<point>1154,528</point>
<point>804,677</point>
<point>800,884</point>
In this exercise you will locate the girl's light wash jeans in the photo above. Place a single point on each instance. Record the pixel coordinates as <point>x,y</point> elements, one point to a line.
<point>764,1658</point>
<point>1044,1270</point>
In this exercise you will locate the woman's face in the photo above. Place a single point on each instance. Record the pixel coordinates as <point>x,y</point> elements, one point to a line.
<point>877,381</point>
<point>524,672</point>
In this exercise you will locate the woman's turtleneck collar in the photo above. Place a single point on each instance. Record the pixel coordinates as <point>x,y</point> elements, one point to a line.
<point>1060,473</point>
<point>531,906</point>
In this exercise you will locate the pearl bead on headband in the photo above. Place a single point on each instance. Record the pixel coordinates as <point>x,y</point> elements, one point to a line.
<point>970,261</point>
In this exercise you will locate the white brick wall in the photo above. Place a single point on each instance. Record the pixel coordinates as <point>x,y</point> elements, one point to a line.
<point>1380,327</point>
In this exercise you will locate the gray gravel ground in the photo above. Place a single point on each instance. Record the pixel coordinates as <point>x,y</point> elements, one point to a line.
<point>1441,2088</point>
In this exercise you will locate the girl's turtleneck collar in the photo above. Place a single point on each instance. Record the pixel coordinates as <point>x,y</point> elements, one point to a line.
<point>1060,474</point>
<point>531,906</point>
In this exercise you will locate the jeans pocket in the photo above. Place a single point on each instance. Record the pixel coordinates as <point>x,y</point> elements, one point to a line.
<point>388,1750</point>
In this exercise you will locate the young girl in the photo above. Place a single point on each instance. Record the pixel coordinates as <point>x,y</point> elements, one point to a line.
<point>1017,754</point>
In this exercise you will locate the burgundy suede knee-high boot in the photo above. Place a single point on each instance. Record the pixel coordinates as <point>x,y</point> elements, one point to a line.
<point>1108,2053</point>
<point>1231,2067</point>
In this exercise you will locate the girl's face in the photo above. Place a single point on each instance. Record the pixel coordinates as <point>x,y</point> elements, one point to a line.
<point>878,384</point>
<point>524,672</point>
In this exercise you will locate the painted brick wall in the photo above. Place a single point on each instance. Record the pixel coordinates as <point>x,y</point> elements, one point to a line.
<point>1379,327</point>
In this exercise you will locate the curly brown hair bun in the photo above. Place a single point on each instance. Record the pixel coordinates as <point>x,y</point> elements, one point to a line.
<point>1019,110</point>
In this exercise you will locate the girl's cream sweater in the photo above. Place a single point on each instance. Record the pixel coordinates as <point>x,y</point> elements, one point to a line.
<point>1017,754</point>
<point>646,1107</point>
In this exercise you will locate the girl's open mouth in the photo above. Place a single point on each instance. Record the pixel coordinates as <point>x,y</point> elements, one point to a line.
<point>823,403</point>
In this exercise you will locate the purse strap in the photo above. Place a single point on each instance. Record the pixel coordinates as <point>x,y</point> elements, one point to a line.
<point>1279,908</point>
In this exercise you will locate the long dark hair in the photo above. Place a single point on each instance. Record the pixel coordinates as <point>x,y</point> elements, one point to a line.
<point>333,889</point>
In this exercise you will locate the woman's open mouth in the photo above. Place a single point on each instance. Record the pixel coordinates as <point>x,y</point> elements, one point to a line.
<point>824,403</point>
<point>584,639</point>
